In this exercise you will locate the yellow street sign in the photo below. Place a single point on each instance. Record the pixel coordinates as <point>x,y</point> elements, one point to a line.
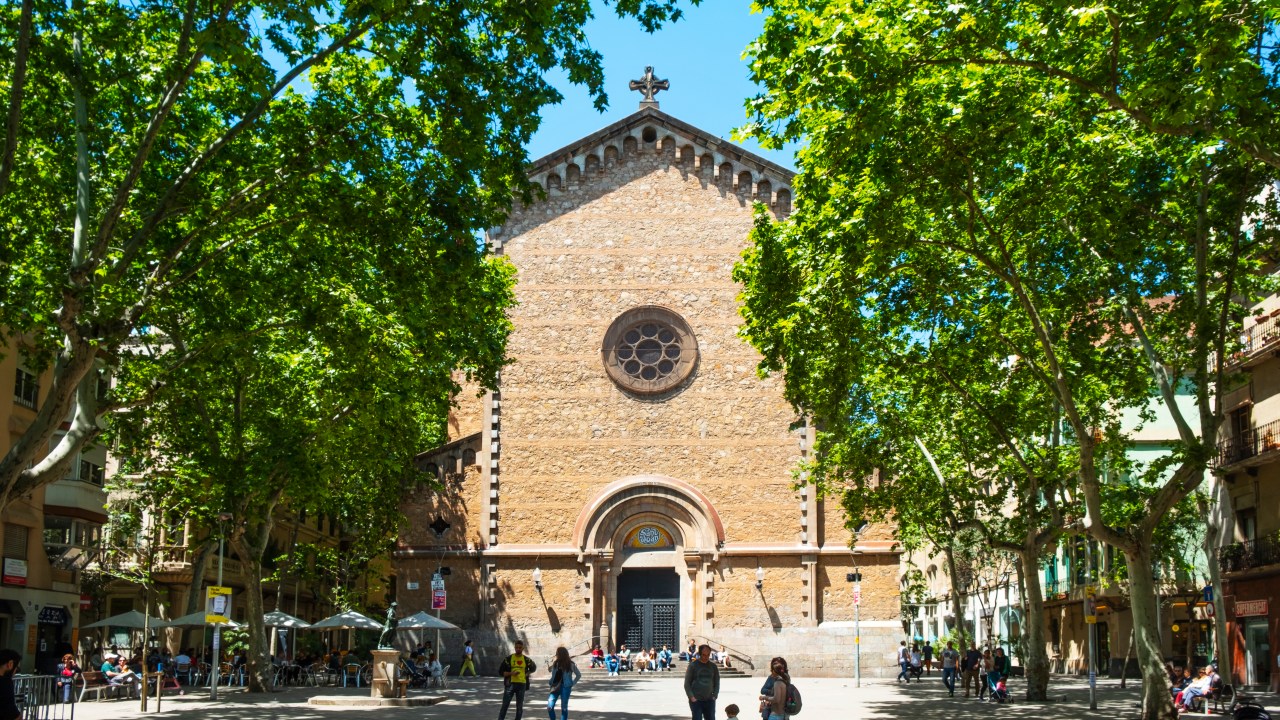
<point>1090,590</point>
<point>1091,619</point>
<point>217,607</point>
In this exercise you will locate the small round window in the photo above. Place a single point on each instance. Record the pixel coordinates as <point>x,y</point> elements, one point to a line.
<point>649,349</point>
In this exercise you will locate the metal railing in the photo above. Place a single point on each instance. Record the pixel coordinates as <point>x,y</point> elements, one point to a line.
<point>745,658</point>
<point>1252,442</point>
<point>1060,586</point>
<point>1250,554</point>
<point>37,697</point>
<point>1260,336</point>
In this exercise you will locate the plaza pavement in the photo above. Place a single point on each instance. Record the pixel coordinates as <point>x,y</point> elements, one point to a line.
<point>645,697</point>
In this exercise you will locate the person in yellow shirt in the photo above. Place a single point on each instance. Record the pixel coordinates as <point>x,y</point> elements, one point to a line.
<point>516,669</point>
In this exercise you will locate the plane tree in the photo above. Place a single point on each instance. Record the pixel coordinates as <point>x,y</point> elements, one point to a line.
<point>1110,257</point>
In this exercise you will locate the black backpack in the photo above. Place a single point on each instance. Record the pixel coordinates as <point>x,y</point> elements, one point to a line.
<point>794,703</point>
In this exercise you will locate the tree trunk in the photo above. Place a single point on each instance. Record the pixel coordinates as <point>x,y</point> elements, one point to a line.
<point>1035,656</point>
<point>962,632</point>
<point>1215,511</point>
<point>260,668</point>
<point>195,598</point>
<point>1157,704</point>
<point>1128,653</point>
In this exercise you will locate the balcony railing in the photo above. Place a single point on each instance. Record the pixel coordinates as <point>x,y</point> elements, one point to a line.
<point>1253,442</point>
<point>1251,554</point>
<point>1255,339</point>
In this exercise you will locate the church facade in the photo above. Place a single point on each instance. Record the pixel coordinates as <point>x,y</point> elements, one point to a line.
<point>632,479</point>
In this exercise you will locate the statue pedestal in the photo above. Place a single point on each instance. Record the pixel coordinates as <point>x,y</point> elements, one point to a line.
<point>386,674</point>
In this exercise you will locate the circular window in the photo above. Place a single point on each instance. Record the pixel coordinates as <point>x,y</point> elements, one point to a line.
<point>649,349</point>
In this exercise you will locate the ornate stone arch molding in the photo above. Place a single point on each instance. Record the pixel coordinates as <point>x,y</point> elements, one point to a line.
<point>696,521</point>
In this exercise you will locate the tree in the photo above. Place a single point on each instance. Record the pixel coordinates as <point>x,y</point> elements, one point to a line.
<point>153,151</point>
<point>1109,256</point>
<point>323,409</point>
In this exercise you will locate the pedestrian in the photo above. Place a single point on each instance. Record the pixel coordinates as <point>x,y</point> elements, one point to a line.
<point>67,672</point>
<point>702,685</point>
<point>468,659</point>
<point>988,664</point>
<point>903,659</point>
<point>927,653</point>
<point>612,663</point>
<point>917,662</point>
<point>949,658</point>
<point>773,696</point>
<point>731,711</point>
<point>9,660</point>
<point>972,666</point>
<point>516,669</point>
<point>564,675</point>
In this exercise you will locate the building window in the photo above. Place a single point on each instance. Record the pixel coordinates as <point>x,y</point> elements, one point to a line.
<point>26,389</point>
<point>468,457</point>
<point>649,349</point>
<point>15,541</point>
<point>91,472</point>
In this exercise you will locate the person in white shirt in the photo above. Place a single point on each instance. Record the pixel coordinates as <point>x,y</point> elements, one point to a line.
<point>434,669</point>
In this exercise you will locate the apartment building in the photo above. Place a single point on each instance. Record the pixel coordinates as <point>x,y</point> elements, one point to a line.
<point>49,536</point>
<point>1249,463</point>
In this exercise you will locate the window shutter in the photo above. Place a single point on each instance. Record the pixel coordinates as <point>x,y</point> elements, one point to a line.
<point>15,541</point>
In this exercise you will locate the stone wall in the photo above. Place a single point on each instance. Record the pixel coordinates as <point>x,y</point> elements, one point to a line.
<point>723,446</point>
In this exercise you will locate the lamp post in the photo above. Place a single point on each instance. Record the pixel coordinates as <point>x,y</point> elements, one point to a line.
<point>855,577</point>
<point>759,578</point>
<point>217,627</point>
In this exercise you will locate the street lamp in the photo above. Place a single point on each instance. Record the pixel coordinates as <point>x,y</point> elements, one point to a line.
<point>537,579</point>
<point>223,519</point>
<point>759,578</point>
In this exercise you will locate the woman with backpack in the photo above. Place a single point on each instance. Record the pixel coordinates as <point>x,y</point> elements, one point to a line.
<point>773,695</point>
<point>564,675</point>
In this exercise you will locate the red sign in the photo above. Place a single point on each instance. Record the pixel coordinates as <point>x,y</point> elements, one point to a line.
<point>1208,610</point>
<point>86,602</point>
<point>857,596</point>
<point>15,572</point>
<point>437,599</point>
<point>1251,608</point>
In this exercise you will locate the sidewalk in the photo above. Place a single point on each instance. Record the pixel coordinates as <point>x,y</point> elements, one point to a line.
<point>642,698</point>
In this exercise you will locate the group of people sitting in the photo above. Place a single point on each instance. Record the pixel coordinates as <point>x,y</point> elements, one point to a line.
<point>651,660</point>
<point>1186,688</point>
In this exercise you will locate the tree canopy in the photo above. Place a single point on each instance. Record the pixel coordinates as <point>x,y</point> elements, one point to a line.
<point>157,156</point>
<point>1029,186</point>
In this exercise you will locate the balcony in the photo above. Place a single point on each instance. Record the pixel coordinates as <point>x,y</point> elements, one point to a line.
<point>1256,446</point>
<point>1249,555</point>
<point>1257,342</point>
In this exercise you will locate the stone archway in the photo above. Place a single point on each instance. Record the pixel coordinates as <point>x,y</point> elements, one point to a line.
<point>605,534</point>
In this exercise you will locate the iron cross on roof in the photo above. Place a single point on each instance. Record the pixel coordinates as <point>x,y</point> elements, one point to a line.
<point>649,86</point>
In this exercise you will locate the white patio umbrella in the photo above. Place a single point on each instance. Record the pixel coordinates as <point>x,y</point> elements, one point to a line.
<point>195,619</point>
<point>133,620</point>
<point>349,620</point>
<point>275,618</point>
<point>423,621</point>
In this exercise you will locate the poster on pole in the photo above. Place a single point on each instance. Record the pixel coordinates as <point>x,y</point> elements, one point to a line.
<point>438,599</point>
<point>217,609</point>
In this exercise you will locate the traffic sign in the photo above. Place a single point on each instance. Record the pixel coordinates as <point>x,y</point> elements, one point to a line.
<point>1208,593</point>
<point>1208,610</point>
<point>1091,619</point>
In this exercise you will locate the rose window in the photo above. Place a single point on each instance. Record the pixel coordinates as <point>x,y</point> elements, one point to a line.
<point>649,349</point>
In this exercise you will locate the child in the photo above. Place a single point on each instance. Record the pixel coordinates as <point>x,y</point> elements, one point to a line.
<point>731,711</point>
<point>1001,693</point>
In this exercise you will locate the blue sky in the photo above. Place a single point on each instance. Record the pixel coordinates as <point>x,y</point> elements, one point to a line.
<point>701,56</point>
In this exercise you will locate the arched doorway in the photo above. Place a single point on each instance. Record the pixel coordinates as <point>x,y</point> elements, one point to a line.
<point>649,608</point>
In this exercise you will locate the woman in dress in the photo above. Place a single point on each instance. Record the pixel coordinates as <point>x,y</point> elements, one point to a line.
<point>564,675</point>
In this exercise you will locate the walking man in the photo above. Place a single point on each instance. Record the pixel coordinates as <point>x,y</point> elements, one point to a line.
<point>701,685</point>
<point>973,670</point>
<point>903,660</point>
<point>949,660</point>
<point>516,669</point>
<point>927,651</point>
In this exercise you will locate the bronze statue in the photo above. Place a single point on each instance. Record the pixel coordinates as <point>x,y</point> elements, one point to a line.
<point>388,629</point>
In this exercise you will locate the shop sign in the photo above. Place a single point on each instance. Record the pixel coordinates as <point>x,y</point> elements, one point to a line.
<point>15,571</point>
<point>54,615</point>
<point>1251,608</point>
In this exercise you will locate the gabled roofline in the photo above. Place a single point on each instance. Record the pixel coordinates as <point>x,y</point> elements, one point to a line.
<point>648,115</point>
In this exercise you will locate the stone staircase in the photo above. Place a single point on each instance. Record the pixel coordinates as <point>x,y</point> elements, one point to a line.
<point>678,671</point>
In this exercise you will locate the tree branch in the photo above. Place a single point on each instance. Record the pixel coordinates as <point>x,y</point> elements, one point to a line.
<point>21,52</point>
